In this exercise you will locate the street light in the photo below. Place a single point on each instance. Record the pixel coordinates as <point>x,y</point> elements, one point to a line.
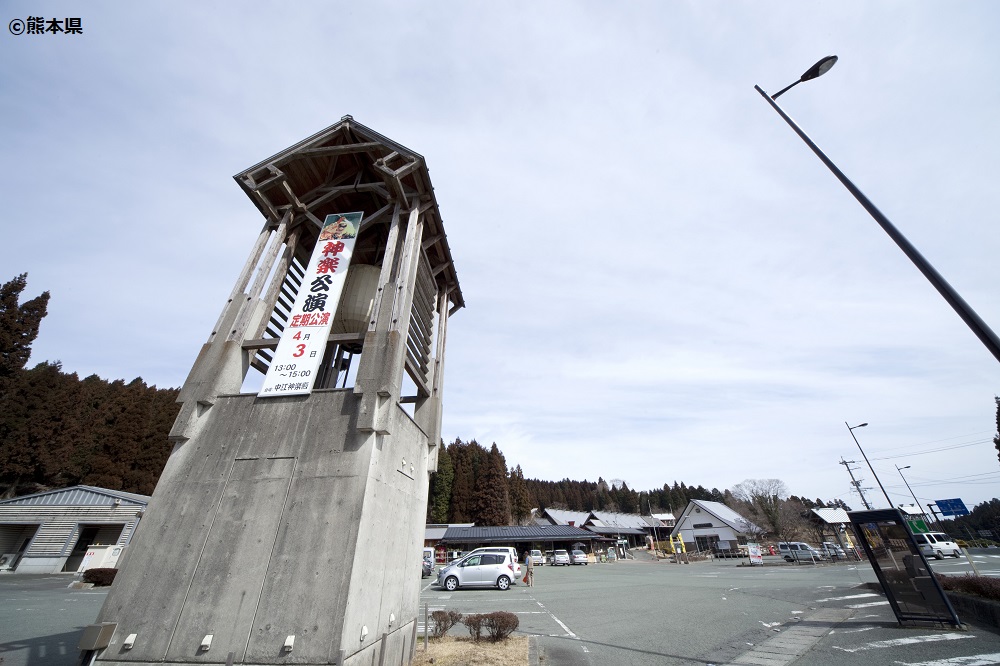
<point>900,470</point>
<point>851,430</point>
<point>819,69</point>
<point>964,310</point>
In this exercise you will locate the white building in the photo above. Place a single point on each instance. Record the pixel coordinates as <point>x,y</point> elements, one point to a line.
<point>712,526</point>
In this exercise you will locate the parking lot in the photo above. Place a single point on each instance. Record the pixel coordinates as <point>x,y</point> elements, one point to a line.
<point>630,612</point>
<point>641,612</point>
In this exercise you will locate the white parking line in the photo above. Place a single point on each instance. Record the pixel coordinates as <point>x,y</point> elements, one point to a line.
<point>971,660</point>
<point>558,621</point>
<point>874,603</point>
<point>852,596</point>
<point>896,642</point>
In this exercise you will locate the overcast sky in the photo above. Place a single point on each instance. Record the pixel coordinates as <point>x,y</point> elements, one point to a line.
<point>662,282</point>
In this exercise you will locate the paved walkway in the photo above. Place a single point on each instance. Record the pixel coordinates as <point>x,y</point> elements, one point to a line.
<point>792,643</point>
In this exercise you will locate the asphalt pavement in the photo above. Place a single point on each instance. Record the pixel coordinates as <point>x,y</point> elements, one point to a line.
<point>41,619</point>
<point>630,612</point>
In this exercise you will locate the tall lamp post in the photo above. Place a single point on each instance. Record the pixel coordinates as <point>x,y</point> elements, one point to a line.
<point>900,470</point>
<point>964,310</point>
<point>851,430</point>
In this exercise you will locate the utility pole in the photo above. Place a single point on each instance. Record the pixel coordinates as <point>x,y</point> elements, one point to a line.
<point>855,482</point>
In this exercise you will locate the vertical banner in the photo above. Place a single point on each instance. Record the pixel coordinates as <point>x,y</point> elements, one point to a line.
<point>303,342</point>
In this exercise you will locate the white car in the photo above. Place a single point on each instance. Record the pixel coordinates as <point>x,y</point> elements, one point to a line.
<point>578,557</point>
<point>560,557</point>
<point>537,558</point>
<point>512,552</point>
<point>937,544</point>
<point>480,570</point>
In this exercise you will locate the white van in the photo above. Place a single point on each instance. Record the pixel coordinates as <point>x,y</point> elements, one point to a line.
<point>937,544</point>
<point>799,551</point>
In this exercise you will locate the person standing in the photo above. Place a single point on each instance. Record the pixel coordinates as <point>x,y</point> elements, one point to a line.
<point>529,565</point>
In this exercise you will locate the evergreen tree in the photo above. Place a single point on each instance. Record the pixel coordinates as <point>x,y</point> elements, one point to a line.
<point>520,500</point>
<point>18,326</point>
<point>439,496</point>
<point>492,501</point>
<point>460,506</point>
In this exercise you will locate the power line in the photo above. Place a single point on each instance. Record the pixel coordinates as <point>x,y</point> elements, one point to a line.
<point>943,448</point>
<point>935,441</point>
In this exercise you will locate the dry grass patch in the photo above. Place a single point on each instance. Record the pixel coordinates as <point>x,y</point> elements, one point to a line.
<point>452,651</point>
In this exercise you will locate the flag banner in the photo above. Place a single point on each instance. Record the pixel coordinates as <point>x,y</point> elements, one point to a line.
<point>303,342</point>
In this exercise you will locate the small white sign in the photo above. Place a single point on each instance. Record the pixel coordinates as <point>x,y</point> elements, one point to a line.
<point>303,342</point>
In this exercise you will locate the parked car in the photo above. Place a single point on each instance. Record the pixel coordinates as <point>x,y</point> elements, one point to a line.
<point>831,549</point>
<point>427,567</point>
<point>502,549</point>
<point>560,557</point>
<point>578,557</point>
<point>937,544</point>
<point>799,551</point>
<point>479,570</point>
<point>537,558</point>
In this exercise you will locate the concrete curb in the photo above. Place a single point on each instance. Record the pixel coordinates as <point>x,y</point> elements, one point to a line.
<point>972,609</point>
<point>976,610</point>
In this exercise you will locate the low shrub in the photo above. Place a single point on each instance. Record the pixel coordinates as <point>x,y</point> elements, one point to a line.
<point>980,586</point>
<point>443,621</point>
<point>500,625</point>
<point>99,577</point>
<point>497,625</point>
<point>474,623</point>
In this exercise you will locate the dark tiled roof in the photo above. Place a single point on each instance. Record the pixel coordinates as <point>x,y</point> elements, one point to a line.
<point>516,533</point>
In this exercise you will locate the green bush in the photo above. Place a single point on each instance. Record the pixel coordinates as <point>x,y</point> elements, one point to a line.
<point>980,586</point>
<point>99,577</point>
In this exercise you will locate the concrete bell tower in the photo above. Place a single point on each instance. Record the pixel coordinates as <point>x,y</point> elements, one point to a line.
<point>288,523</point>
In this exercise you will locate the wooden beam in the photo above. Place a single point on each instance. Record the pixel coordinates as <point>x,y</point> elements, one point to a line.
<point>345,149</point>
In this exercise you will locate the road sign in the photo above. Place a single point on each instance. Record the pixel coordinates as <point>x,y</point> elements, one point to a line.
<point>952,507</point>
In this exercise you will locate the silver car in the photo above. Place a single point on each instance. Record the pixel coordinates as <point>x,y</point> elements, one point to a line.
<point>480,570</point>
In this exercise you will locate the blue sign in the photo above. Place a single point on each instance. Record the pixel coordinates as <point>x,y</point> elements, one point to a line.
<point>952,507</point>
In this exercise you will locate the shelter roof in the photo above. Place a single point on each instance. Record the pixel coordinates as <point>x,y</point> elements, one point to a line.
<point>78,496</point>
<point>516,533</point>
<point>832,516</point>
